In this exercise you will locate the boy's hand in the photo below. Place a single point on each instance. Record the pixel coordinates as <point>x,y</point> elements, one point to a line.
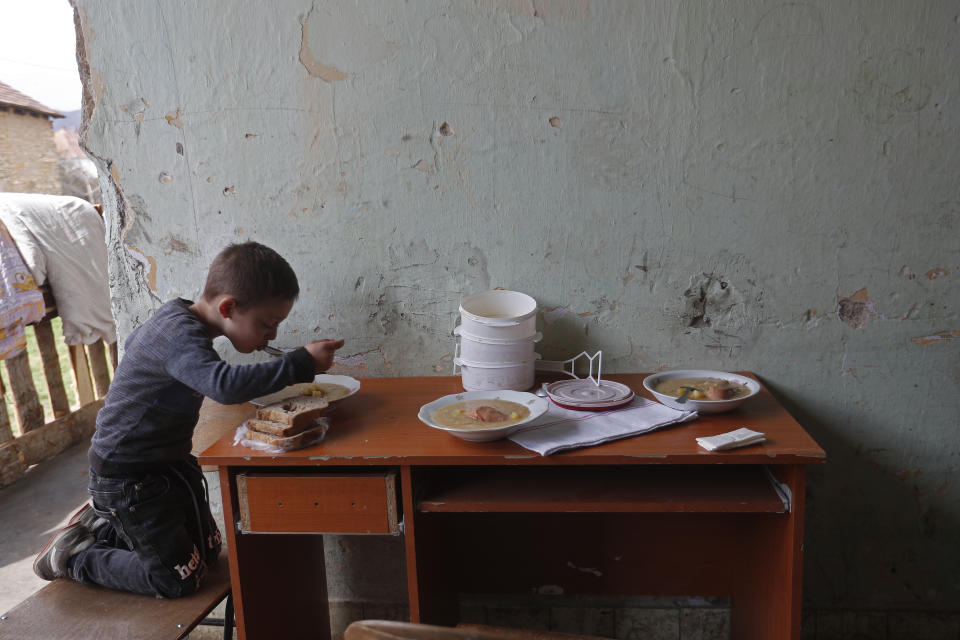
<point>322,352</point>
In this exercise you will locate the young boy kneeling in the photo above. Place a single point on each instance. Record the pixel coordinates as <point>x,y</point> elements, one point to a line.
<point>149,529</point>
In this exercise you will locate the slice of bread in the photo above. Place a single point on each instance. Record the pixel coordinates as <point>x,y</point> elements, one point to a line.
<point>297,412</point>
<point>278,428</point>
<point>303,439</point>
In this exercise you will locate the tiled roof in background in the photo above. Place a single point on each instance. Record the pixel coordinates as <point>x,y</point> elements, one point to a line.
<point>13,98</point>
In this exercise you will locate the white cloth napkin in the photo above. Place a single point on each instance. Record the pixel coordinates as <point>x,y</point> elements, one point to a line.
<point>560,428</point>
<point>731,439</point>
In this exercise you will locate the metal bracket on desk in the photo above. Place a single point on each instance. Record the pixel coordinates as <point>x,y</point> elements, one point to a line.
<point>782,490</point>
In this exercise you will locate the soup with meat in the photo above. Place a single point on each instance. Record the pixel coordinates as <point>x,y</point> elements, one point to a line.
<point>704,388</point>
<point>480,414</point>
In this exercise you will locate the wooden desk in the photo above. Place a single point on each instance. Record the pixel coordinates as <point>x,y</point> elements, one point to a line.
<point>648,515</point>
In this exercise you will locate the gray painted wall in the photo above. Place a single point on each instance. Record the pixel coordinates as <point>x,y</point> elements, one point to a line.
<point>759,185</point>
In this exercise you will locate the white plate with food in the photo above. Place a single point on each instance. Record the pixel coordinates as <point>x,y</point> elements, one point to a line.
<point>702,390</point>
<point>328,386</point>
<point>482,416</point>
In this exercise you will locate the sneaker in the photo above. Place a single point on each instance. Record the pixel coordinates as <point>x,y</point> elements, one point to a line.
<point>87,517</point>
<point>53,561</point>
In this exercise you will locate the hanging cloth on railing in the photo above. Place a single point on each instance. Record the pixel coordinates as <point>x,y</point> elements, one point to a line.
<point>62,242</point>
<point>21,302</point>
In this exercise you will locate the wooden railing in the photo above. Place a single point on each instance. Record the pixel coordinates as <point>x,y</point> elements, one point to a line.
<point>40,437</point>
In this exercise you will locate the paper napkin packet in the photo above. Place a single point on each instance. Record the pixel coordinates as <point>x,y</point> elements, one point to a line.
<point>731,440</point>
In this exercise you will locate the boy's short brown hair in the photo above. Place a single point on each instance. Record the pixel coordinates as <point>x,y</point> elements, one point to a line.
<point>251,273</point>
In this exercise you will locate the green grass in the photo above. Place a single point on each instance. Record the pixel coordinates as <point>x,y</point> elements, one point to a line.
<point>39,381</point>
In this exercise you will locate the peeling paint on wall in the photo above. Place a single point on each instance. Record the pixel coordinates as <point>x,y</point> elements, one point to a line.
<point>714,301</point>
<point>314,67</point>
<point>943,336</point>
<point>355,361</point>
<point>94,85</point>
<point>856,310</point>
<point>175,119</point>
<point>148,264</point>
<point>175,244</point>
<point>132,273</point>
<point>552,314</point>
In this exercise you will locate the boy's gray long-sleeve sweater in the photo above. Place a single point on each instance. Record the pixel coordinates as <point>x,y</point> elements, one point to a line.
<point>153,404</point>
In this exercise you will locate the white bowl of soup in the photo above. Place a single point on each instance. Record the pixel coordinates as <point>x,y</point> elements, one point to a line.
<point>482,416</point>
<point>710,391</point>
<point>327,386</point>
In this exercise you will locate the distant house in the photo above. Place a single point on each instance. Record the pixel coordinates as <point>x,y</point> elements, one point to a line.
<point>78,174</point>
<point>28,155</point>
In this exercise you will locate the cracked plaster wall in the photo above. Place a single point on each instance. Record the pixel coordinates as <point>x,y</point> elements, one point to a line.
<point>769,186</point>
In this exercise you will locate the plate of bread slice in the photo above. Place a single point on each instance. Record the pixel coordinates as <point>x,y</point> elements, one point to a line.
<point>287,424</point>
<point>295,417</point>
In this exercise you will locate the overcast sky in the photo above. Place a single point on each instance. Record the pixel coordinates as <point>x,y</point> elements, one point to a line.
<point>38,51</point>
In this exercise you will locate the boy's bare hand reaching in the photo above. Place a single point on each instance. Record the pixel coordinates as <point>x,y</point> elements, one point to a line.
<point>322,352</point>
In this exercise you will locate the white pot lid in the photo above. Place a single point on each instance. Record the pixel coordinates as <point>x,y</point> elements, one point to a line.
<point>587,395</point>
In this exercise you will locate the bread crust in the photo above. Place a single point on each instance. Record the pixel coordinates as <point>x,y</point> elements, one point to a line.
<point>298,441</point>
<point>299,412</point>
<point>278,428</point>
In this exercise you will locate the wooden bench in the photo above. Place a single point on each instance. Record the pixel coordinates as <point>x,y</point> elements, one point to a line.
<point>67,610</point>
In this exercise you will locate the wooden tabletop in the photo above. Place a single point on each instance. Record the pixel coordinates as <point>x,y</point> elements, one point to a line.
<point>378,426</point>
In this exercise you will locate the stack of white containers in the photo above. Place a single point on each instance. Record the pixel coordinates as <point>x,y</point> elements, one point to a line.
<point>497,334</point>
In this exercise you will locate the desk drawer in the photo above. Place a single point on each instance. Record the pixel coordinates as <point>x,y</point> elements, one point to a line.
<point>304,503</point>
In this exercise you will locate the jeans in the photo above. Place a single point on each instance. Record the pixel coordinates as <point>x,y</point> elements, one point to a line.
<point>162,535</point>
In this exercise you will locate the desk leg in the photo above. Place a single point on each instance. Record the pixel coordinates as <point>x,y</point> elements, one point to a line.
<point>279,581</point>
<point>767,603</point>
<point>428,567</point>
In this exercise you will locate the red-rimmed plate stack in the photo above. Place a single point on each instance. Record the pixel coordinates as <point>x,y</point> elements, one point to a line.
<point>587,395</point>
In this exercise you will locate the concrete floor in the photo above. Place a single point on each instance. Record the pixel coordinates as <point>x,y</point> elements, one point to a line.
<point>31,510</point>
